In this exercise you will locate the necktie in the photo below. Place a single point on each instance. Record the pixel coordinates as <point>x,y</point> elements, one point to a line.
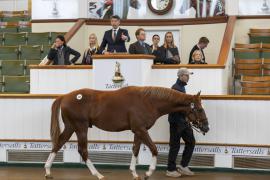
<point>114,34</point>
<point>144,48</point>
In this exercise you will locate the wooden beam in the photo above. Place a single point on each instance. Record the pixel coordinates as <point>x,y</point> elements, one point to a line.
<point>226,42</point>
<point>74,29</point>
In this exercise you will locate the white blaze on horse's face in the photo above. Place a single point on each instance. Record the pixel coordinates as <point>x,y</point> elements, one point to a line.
<point>192,106</point>
<point>79,97</point>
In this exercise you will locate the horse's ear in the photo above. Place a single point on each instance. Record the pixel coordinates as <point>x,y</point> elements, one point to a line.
<point>199,93</point>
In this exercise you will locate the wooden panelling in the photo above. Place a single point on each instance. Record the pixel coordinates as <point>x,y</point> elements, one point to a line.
<point>249,46</point>
<point>252,30</point>
<point>162,22</point>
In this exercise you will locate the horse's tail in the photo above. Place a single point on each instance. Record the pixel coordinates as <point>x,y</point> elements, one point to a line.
<point>55,127</point>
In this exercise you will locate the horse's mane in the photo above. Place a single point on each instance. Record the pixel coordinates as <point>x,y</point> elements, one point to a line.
<point>162,93</point>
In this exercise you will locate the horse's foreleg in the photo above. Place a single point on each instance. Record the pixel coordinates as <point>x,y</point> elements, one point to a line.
<point>63,138</point>
<point>48,165</point>
<point>136,149</point>
<point>146,139</point>
<point>82,148</point>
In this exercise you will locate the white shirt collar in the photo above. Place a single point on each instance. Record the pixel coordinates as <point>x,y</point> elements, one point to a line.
<point>93,48</point>
<point>115,29</point>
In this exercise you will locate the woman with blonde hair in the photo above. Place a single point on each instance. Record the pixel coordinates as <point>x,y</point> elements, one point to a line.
<point>197,58</point>
<point>91,50</point>
<point>168,51</point>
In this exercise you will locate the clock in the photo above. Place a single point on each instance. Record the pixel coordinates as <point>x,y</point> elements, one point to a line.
<point>160,7</point>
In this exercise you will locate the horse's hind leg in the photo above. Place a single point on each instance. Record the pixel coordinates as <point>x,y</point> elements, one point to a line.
<point>82,148</point>
<point>136,149</point>
<point>63,138</point>
<point>146,139</point>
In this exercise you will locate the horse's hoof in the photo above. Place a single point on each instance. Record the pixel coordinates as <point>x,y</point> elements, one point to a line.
<point>137,178</point>
<point>103,178</point>
<point>146,177</point>
<point>48,176</point>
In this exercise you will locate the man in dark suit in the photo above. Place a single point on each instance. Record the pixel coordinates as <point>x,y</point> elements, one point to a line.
<point>140,47</point>
<point>114,38</point>
<point>203,42</point>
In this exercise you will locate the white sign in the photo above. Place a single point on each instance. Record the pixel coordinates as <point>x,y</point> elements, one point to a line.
<point>55,9</point>
<point>112,74</point>
<point>251,7</point>
<point>119,147</point>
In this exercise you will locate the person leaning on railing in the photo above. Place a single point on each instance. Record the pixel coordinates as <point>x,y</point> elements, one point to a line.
<point>202,44</point>
<point>59,53</point>
<point>197,58</point>
<point>168,53</point>
<point>91,50</point>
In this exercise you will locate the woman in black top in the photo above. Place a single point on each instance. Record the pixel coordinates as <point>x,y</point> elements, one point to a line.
<point>91,50</point>
<point>168,52</point>
<point>59,53</point>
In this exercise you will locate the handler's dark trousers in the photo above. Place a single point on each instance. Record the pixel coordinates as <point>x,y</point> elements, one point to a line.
<point>179,130</point>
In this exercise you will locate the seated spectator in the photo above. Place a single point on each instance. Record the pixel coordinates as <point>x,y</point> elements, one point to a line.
<point>155,41</point>
<point>202,44</point>
<point>140,47</point>
<point>59,53</point>
<point>91,50</point>
<point>168,52</point>
<point>197,58</point>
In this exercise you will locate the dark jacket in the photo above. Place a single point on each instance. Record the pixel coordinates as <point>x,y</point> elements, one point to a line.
<point>67,51</point>
<point>137,48</point>
<point>89,53</point>
<point>176,116</point>
<point>161,56</point>
<point>156,53</point>
<point>118,45</point>
<point>192,51</point>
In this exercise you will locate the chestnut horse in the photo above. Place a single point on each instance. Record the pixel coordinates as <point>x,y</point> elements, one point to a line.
<point>130,108</point>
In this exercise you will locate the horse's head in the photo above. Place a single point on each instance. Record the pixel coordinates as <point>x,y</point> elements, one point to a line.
<point>196,114</point>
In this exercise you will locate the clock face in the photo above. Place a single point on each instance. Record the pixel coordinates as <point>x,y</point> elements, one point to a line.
<point>160,6</point>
